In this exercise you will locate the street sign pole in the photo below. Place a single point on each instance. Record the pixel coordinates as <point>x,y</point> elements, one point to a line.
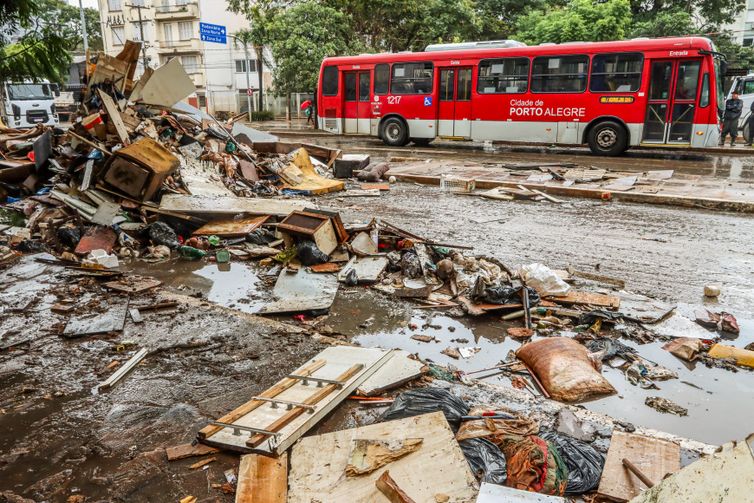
<point>248,82</point>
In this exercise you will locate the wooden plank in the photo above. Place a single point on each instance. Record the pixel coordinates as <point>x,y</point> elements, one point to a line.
<point>114,115</point>
<point>297,411</point>
<point>399,370</point>
<point>203,462</point>
<point>262,479</point>
<point>272,392</point>
<point>339,359</point>
<point>184,451</point>
<point>654,457</point>
<point>231,227</point>
<point>124,369</point>
<point>209,205</point>
<point>438,467</point>
<point>588,298</point>
<point>391,489</point>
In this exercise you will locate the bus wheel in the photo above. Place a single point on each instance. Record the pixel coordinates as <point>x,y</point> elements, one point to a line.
<point>422,142</point>
<point>394,132</point>
<point>607,138</point>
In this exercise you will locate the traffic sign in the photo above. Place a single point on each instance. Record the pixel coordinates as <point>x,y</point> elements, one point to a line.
<point>250,91</point>
<point>213,33</point>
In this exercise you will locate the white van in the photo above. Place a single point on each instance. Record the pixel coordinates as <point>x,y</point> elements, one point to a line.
<point>26,104</point>
<point>744,86</point>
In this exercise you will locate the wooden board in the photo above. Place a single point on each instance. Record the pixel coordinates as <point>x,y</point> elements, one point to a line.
<point>114,115</point>
<point>399,370</point>
<point>223,205</point>
<point>588,298</point>
<point>262,479</point>
<point>231,227</point>
<point>437,467</point>
<point>184,451</point>
<point>653,457</point>
<point>262,415</point>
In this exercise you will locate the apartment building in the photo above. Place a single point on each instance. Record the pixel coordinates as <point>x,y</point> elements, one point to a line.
<point>743,26</point>
<point>170,29</point>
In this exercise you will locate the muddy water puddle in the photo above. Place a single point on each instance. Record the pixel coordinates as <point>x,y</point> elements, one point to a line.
<point>717,399</point>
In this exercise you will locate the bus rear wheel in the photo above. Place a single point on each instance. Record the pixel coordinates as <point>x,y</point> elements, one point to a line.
<point>608,138</point>
<point>394,132</point>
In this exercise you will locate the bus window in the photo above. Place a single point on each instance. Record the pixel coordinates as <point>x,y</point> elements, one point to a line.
<point>509,75</point>
<point>704,95</point>
<point>688,78</point>
<point>411,78</point>
<point>381,78</point>
<point>447,84</point>
<point>464,85</point>
<point>363,86</point>
<point>559,74</point>
<point>350,87</point>
<point>330,81</point>
<point>618,73</point>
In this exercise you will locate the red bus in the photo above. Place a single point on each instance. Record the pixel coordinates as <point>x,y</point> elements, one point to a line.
<point>609,95</point>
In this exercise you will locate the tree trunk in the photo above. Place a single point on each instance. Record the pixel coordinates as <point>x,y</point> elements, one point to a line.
<point>260,70</point>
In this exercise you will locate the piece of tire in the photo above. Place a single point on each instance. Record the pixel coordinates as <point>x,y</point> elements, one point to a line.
<point>394,132</point>
<point>422,142</point>
<point>608,138</point>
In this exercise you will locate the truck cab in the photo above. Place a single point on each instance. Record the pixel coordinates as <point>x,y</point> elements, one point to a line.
<point>26,104</point>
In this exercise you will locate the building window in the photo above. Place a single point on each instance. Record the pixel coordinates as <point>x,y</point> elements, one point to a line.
<point>202,100</point>
<point>136,29</point>
<point>748,42</point>
<point>330,81</point>
<point>167,31</point>
<point>381,78</point>
<point>618,73</point>
<point>185,30</point>
<point>137,3</point>
<point>500,76</point>
<point>119,36</point>
<point>241,65</point>
<point>411,78</point>
<point>190,63</point>
<point>559,74</point>
<point>113,5</point>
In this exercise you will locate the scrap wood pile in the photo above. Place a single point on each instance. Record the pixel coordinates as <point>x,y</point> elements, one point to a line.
<point>132,143</point>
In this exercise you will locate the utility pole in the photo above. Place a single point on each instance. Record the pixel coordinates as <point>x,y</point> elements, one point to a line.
<point>141,32</point>
<point>248,82</point>
<point>83,29</point>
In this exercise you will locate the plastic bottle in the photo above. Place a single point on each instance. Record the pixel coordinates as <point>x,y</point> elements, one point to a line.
<point>191,253</point>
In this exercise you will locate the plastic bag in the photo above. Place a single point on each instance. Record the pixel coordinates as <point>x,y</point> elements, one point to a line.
<point>162,234</point>
<point>486,460</point>
<point>543,280</point>
<point>584,463</point>
<point>425,400</point>
<point>410,264</point>
<point>260,236</point>
<point>501,294</point>
<point>308,253</point>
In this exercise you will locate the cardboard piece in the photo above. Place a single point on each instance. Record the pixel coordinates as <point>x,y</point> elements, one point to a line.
<point>168,85</point>
<point>437,468</point>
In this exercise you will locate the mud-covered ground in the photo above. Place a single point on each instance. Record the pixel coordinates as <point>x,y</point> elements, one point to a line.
<point>59,438</point>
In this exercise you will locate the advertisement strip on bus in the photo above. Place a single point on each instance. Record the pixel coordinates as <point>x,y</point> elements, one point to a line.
<point>608,95</point>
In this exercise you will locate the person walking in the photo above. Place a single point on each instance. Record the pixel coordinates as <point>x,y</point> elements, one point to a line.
<point>750,122</point>
<point>733,108</point>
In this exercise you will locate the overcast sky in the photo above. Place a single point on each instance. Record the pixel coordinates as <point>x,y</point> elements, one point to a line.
<point>87,3</point>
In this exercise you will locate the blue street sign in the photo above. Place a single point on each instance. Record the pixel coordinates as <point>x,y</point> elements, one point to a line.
<point>428,101</point>
<point>213,33</point>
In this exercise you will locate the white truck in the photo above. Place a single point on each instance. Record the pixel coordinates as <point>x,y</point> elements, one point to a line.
<point>26,104</point>
<point>744,86</point>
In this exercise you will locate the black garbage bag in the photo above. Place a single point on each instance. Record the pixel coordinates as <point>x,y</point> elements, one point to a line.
<point>486,460</point>
<point>352,279</point>
<point>308,253</point>
<point>161,233</point>
<point>68,236</point>
<point>584,463</point>
<point>501,294</point>
<point>425,400</point>
<point>599,314</point>
<point>410,264</point>
<point>260,236</point>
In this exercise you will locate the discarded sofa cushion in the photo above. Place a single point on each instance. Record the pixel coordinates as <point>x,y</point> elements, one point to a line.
<point>564,368</point>
<point>584,463</point>
<point>485,459</point>
<point>421,401</point>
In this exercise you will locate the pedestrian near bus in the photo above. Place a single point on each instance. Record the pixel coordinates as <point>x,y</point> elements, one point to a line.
<point>750,122</point>
<point>733,108</point>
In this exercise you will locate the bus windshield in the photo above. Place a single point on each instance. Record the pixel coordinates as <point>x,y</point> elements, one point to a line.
<point>29,91</point>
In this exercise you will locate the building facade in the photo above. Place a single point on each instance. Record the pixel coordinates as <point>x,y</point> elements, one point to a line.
<point>743,26</point>
<point>170,29</point>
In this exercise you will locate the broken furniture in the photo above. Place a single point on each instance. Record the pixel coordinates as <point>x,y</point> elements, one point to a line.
<point>303,225</point>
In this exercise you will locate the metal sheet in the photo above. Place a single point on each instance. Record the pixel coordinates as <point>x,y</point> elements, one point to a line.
<point>302,291</point>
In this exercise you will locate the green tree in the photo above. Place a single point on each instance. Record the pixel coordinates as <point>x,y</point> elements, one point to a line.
<point>301,37</point>
<point>579,20</point>
<point>32,44</point>
<point>710,13</point>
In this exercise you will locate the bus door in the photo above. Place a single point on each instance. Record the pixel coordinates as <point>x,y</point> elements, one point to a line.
<point>454,103</point>
<point>673,88</point>
<point>357,100</point>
